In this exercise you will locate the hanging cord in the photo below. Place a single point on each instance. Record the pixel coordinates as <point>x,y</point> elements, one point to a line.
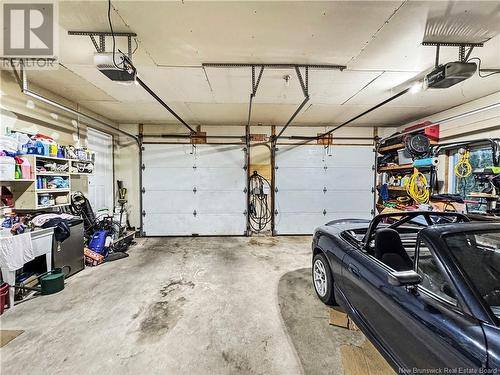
<point>417,188</point>
<point>113,36</point>
<point>479,68</point>
<point>259,210</point>
<point>463,168</point>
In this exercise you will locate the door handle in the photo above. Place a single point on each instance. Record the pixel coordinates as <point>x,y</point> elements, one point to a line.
<point>354,270</point>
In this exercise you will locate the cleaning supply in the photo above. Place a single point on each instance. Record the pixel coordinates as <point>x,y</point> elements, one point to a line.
<point>25,169</point>
<point>98,242</point>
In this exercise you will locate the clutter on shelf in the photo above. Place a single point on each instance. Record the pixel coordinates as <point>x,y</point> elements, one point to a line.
<point>407,166</point>
<point>36,171</point>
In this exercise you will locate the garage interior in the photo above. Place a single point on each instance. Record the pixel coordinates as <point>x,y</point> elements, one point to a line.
<point>165,167</point>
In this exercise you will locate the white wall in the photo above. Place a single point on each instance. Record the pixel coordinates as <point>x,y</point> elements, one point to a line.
<point>485,124</point>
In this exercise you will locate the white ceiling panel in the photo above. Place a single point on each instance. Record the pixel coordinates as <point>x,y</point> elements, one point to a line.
<point>125,112</point>
<point>180,33</point>
<point>397,46</point>
<point>380,41</point>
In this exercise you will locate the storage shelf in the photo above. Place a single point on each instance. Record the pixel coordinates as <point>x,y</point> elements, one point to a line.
<point>47,157</point>
<point>402,167</point>
<point>62,174</point>
<point>65,190</point>
<point>397,146</point>
<point>396,168</point>
<point>80,174</point>
<point>394,188</point>
<point>20,180</point>
<point>39,207</point>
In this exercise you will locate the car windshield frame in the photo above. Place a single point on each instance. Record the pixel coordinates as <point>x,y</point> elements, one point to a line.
<point>495,314</point>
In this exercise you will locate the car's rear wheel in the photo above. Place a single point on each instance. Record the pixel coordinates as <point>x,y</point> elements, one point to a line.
<point>322,279</point>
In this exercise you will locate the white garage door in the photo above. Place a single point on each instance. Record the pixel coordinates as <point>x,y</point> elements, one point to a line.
<point>315,185</point>
<point>194,190</point>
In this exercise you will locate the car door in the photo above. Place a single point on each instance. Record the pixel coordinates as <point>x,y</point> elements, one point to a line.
<point>419,328</point>
<point>492,333</point>
<point>455,338</point>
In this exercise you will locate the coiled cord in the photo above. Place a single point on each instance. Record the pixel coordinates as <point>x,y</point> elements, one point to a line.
<point>417,188</point>
<point>463,168</point>
<point>259,210</point>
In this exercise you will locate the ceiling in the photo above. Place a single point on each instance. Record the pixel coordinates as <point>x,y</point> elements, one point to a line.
<point>379,41</point>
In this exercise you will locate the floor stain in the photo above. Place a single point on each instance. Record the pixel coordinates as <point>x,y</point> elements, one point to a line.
<point>238,361</point>
<point>161,316</point>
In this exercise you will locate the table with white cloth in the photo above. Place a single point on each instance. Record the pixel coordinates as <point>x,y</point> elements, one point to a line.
<point>16,251</point>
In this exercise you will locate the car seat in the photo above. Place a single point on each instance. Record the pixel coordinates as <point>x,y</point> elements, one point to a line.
<point>390,250</point>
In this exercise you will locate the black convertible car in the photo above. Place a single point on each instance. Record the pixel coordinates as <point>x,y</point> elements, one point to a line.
<point>424,287</point>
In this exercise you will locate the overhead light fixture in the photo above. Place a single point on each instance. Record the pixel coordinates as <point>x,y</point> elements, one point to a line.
<point>416,87</point>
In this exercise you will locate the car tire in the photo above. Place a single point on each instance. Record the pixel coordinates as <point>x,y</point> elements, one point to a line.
<point>322,279</point>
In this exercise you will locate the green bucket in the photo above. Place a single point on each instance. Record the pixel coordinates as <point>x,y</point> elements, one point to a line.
<point>53,281</point>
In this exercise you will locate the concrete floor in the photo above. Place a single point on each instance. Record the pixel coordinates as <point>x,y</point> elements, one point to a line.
<point>182,306</point>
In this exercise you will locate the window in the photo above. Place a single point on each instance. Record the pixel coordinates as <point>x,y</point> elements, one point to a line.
<point>434,279</point>
<point>478,254</point>
<point>479,158</point>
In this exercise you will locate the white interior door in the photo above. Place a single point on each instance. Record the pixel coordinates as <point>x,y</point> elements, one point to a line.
<point>316,185</point>
<point>101,192</point>
<point>194,190</point>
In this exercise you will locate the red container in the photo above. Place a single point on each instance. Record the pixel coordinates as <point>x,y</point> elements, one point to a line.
<point>432,132</point>
<point>4,297</point>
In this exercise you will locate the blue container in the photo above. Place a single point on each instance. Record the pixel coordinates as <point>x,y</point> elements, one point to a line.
<point>98,242</point>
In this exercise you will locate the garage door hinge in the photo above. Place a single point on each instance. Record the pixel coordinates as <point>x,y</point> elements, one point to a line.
<point>194,213</point>
<point>372,212</point>
<point>373,167</point>
<point>143,213</point>
<point>276,189</point>
<point>194,166</point>
<point>276,212</point>
<point>324,212</point>
<point>245,212</point>
<point>245,190</point>
<point>325,190</point>
<point>194,190</point>
<point>373,190</point>
<point>325,167</point>
<point>143,167</point>
<point>276,167</point>
<point>143,190</point>
<point>245,167</point>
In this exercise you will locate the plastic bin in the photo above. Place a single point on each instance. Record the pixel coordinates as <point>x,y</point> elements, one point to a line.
<point>8,143</point>
<point>404,157</point>
<point>7,168</point>
<point>4,297</point>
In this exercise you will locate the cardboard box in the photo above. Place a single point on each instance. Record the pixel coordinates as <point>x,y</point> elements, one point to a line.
<point>92,258</point>
<point>340,319</point>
